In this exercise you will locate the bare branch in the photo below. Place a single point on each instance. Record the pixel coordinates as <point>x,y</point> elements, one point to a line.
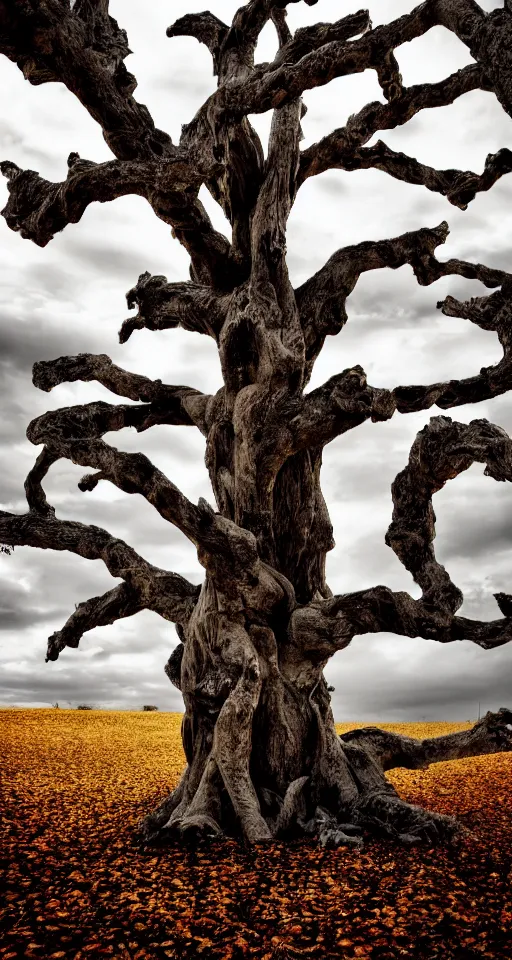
<point>336,149</point>
<point>95,419</point>
<point>163,306</point>
<point>278,17</point>
<point>487,37</point>
<point>459,187</point>
<point>308,39</point>
<point>274,85</point>
<point>36,497</point>
<point>340,404</point>
<point>166,593</point>
<point>441,451</point>
<point>204,27</point>
<point>84,48</point>
<point>39,209</point>
<point>489,313</point>
<point>172,405</point>
<point>145,586</point>
<point>492,734</point>
<point>97,612</point>
<point>236,142</point>
<point>213,261</point>
<point>239,44</point>
<point>321,299</point>
<point>74,432</point>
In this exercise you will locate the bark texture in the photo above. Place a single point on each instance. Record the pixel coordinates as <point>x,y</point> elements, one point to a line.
<point>263,757</point>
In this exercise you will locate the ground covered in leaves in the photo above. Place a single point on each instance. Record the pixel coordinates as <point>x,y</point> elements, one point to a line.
<point>74,784</point>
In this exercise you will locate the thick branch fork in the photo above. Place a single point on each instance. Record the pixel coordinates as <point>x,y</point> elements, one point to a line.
<point>145,586</point>
<point>39,209</point>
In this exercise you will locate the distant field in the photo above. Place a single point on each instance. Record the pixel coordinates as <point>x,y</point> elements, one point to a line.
<point>73,785</point>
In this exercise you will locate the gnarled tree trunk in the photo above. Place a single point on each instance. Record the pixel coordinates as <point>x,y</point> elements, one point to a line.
<point>263,756</point>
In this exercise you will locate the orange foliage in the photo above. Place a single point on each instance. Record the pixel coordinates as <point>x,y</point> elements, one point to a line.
<point>77,886</point>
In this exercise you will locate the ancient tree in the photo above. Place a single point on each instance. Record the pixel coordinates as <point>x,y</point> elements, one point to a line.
<point>263,756</point>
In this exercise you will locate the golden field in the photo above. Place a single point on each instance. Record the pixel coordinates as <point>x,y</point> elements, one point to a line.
<point>74,784</point>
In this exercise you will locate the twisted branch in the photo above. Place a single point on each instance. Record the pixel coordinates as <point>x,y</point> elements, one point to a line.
<point>321,299</point>
<point>146,586</point>
<point>163,306</point>
<point>85,49</point>
<point>491,734</point>
<point>39,209</point>
<point>489,313</point>
<point>172,405</point>
<point>337,148</point>
<point>459,187</point>
<point>339,405</point>
<point>441,451</point>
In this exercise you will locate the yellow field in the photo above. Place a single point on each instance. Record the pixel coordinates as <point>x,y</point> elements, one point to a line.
<point>74,784</point>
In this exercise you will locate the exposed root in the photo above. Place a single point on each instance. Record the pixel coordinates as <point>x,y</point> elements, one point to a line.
<point>149,828</point>
<point>331,833</point>
<point>385,815</point>
<point>219,795</point>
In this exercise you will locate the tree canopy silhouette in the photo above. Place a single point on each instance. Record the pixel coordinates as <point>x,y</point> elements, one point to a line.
<point>263,756</point>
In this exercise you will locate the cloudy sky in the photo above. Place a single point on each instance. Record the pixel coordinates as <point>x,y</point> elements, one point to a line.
<point>69,298</point>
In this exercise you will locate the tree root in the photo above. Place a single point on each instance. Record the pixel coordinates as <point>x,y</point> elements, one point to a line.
<point>202,807</point>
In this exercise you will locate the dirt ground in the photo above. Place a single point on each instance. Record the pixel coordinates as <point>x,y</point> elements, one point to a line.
<point>74,784</point>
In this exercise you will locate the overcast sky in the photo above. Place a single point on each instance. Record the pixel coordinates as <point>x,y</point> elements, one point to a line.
<point>69,298</point>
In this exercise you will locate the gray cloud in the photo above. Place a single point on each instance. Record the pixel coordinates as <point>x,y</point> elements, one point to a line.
<point>107,260</point>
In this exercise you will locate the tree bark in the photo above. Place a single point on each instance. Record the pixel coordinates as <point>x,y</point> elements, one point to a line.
<point>263,757</point>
